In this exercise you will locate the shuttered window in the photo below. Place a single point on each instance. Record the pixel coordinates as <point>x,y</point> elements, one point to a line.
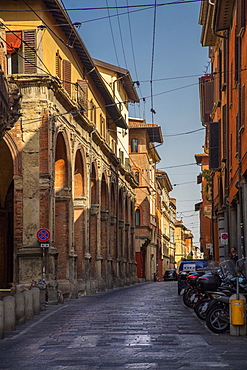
<point>214,145</point>
<point>29,52</point>
<point>82,95</point>
<point>67,76</point>
<point>242,107</point>
<point>237,134</point>
<point>224,131</point>
<point>240,26</point>
<point>58,65</point>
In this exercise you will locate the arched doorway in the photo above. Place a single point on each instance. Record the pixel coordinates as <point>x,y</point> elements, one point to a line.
<point>61,207</point>
<point>6,216</point>
<point>104,225</point>
<point>79,213</point>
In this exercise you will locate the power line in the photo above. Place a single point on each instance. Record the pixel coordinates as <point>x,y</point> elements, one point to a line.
<point>112,7</point>
<point>184,133</point>
<point>152,63</point>
<point>121,37</point>
<point>180,165</point>
<point>184,183</point>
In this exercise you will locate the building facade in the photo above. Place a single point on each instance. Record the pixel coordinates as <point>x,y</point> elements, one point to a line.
<point>143,160</point>
<point>61,168</point>
<point>223,97</point>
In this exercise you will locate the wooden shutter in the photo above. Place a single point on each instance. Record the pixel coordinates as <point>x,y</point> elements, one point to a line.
<point>240,26</point>
<point>242,107</point>
<point>67,76</point>
<point>29,51</point>
<point>208,101</point>
<point>214,145</point>
<point>224,131</point>
<point>58,65</point>
<point>82,95</point>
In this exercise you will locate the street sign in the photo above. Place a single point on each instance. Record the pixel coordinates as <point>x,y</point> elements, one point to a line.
<point>43,235</point>
<point>44,245</point>
<point>224,238</point>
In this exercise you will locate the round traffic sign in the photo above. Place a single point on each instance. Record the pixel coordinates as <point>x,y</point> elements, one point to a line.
<point>43,235</point>
<point>224,236</point>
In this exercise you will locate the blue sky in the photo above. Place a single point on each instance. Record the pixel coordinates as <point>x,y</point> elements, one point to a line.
<point>128,41</point>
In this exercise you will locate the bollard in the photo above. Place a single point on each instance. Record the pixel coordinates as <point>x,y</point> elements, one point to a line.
<point>36,300</point>
<point>42,298</point>
<point>19,308</point>
<point>1,319</point>
<point>28,299</point>
<point>9,313</point>
<point>237,315</point>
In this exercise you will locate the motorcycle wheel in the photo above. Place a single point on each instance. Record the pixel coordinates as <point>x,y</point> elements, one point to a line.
<point>187,298</point>
<point>217,319</point>
<point>201,309</point>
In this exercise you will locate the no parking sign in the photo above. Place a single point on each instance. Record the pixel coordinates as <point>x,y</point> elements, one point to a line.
<point>224,238</point>
<point>43,235</point>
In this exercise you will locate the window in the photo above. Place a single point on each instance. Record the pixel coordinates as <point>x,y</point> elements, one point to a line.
<point>21,52</point>
<point>82,94</point>
<point>67,76</point>
<point>58,65</point>
<point>137,177</point>
<point>134,146</point>
<point>138,217</point>
<point>92,112</point>
<point>102,125</point>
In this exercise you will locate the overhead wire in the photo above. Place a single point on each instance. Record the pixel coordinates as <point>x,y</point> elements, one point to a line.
<point>152,61</point>
<point>121,37</point>
<point>185,133</point>
<point>134,58</point>
<point>112,35</point>
<point>114,7</point>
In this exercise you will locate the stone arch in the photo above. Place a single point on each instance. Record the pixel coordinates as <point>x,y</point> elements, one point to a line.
<point>127,229</point>
<point>104,204</point>
<point>6,215</point>
<point>94,214</point>
<point>80,218</point>
<point>61,163</point>
<point>94,185</point>
<point>62,202</point>
<point>120,225</point>
<point>113,219</point>
<point>79,175</point>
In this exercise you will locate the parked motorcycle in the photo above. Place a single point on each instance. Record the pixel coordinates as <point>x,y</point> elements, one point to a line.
<point>217,312</point>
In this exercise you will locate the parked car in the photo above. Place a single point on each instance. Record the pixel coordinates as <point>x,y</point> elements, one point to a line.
<point>185,268</point>
<point>170,275</point>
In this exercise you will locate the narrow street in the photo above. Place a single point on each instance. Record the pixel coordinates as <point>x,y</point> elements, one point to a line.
<point>145,326</point>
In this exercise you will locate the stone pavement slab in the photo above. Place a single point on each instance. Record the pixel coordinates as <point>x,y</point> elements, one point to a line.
<point>145,326</point>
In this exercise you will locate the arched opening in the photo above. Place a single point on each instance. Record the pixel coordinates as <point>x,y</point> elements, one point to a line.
<point>79,213</point>
<point>61,170</point>
<point>61,206</point>
<point>93,220</point>
<point>104,225</point>
<point>6,216</point>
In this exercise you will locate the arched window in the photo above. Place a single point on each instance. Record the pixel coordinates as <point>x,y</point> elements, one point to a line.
<point>137,177</point>
<point>134,146</point>
<point>138,217</point>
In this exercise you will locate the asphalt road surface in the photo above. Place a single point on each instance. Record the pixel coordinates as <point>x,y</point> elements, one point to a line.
<point>145,326</point>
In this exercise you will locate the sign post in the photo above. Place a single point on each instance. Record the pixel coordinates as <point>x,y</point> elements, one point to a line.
<point>43,235</point>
